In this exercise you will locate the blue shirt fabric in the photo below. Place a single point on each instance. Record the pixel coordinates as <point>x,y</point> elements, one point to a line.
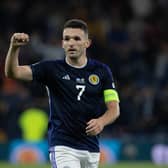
<point>75,97</point>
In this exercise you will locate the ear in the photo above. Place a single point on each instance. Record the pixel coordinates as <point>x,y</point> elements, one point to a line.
<point>62,43</point>
<point>88,43</point>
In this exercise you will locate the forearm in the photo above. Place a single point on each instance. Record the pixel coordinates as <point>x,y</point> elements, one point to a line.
<point>11,62</point>
<point>110,115</point>
<point>95,126</point>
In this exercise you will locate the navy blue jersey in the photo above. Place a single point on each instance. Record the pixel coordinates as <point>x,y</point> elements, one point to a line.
<point>75,96</point>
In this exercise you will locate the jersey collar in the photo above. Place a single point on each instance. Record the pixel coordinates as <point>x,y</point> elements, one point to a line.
<point>78,67</point>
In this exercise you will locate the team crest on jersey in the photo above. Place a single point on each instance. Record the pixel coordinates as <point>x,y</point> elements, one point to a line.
<point>94,79</point>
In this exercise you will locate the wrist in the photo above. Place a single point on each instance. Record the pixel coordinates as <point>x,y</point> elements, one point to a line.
<point>102,121</point>
<point>14,47</point>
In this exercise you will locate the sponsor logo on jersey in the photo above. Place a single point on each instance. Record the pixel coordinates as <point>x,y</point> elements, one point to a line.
<point>66,77</point>
<point>94,79</point>
<point>80,80</point>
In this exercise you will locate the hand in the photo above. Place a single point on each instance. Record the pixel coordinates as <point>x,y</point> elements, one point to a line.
<point>19,39</point>
<point>94,127</point>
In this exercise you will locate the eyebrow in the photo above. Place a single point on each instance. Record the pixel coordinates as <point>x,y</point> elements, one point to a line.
<point>74,37</point>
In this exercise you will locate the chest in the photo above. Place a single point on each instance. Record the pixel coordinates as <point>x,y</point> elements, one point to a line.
<point>78,81</point>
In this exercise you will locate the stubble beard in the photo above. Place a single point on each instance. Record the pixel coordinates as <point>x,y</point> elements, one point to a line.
<point>74,56</point>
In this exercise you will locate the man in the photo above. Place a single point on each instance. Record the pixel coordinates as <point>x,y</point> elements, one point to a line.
<point>76,86</point>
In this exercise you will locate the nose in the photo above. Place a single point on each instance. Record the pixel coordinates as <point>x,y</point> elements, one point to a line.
<point>71,41</point>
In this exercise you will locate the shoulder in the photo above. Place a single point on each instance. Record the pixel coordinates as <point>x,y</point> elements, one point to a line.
<point>100,65</point>
<point>53,62</point>
<point>97,63</point>
<point>48,63</point>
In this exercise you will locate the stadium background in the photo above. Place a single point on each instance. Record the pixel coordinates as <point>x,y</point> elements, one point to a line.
<point>130,36</point>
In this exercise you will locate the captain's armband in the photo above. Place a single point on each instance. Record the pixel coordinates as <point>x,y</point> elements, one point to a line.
<point>110,95</point>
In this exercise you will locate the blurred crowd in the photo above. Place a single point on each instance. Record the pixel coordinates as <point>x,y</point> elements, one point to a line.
<point>129,35</point>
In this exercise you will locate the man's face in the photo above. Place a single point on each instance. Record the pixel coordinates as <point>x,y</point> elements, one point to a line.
<point>75,42</point>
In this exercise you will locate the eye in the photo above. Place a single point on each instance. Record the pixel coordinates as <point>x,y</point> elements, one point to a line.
<point>66,38</point>
<point>77,38</point>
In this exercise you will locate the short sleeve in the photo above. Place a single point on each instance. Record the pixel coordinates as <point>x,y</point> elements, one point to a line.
<point>39,71</point>
<point>108,79</point>
<point>109,90</point>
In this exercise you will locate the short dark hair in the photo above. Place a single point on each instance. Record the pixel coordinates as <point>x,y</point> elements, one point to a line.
<point>76,23</point>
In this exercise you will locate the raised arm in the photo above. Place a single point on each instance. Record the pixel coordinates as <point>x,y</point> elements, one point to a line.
<point>12,68</point>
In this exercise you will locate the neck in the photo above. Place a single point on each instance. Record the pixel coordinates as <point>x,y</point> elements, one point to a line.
<point>76,62</point>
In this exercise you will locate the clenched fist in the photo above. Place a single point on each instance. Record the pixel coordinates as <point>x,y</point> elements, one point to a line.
<point>19,39</point>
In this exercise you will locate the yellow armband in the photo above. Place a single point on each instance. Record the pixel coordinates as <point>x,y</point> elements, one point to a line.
<point>110,95</point>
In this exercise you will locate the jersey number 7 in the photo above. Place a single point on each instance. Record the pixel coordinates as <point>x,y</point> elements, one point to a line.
<point>81,89</point>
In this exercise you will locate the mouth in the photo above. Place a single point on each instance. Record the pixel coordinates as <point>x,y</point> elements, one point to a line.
<point>72,49</point>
